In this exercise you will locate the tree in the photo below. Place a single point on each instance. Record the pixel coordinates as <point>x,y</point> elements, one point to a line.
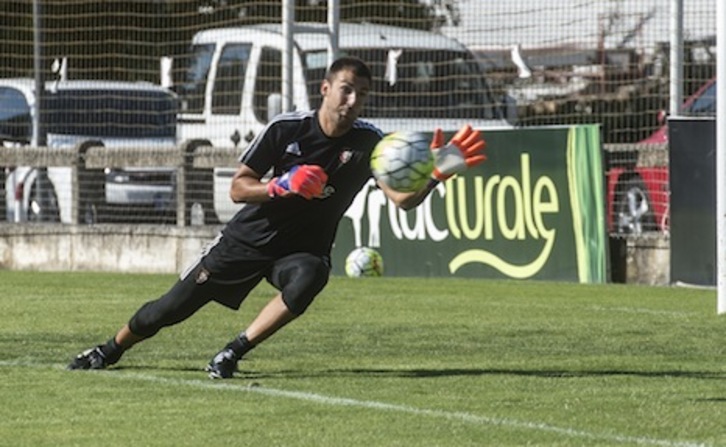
<point>124,39</point>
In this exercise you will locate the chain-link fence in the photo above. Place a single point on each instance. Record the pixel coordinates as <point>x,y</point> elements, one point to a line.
<point>493,63</point>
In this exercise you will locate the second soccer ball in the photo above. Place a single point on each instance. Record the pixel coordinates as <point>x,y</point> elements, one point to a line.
<point>363,261</point>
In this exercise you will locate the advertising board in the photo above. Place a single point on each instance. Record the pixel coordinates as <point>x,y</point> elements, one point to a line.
<point>534,210</point>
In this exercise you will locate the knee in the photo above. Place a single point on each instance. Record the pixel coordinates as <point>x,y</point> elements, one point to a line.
<point>303,283</point>
<point>146,321</point>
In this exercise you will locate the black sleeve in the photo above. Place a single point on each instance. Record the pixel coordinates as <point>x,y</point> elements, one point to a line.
<point>265,150</point>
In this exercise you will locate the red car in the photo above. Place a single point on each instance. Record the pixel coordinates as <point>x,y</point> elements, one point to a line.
<point>638,197</point>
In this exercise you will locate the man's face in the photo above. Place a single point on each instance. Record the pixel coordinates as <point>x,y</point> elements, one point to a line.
<point>343,98</point>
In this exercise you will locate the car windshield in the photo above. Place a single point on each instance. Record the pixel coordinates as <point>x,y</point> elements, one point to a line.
<point>415,83</point>
<point>111,113</point>
<point>705,104</point>
<point>193,71</point>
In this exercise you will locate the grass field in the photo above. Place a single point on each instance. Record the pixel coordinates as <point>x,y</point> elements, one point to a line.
<point>375,362</point>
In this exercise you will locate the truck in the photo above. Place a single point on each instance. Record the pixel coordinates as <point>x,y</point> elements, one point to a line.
<point>230,85</point>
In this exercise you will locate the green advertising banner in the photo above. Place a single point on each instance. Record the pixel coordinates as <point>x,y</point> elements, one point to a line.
<point>534,210</point>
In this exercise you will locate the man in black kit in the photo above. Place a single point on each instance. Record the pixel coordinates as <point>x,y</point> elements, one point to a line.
<point>320,160</point>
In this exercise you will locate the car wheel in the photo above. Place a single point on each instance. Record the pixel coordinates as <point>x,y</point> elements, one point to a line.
<point>633,209</point>
<point>43,201</point>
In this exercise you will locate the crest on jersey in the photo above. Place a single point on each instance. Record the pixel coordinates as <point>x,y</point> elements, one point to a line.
<point>328,191</point>
<point>202,276</point>
<point>345,155</point>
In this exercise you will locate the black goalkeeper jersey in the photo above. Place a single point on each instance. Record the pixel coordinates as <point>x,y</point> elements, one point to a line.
<point>293,224</point>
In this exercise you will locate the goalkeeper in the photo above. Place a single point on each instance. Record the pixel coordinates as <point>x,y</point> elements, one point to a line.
<point>319,161</point>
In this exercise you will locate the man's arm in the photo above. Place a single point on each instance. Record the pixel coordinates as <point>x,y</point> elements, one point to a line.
<point>247,187</point>
<point>306,181</point>
<point>408,200</point>
<point>464,150</point>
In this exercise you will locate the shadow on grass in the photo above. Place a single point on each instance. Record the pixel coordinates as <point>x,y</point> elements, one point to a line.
<point>552,373</point>
<point>248,373</point>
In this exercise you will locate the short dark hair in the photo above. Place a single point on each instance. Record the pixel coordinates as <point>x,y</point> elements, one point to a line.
<point>356,65</point>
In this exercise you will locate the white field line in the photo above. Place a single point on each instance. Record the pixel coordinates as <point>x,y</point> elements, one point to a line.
<point>601,308</point>
<point>638,310</point>
<point>464,417</point>
<point>694,286</point>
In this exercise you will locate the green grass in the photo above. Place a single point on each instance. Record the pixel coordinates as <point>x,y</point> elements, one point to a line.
<point>375,362</point>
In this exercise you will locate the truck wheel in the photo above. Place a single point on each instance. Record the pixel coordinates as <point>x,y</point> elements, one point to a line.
<point>199,196</point>
<point>92,196</point>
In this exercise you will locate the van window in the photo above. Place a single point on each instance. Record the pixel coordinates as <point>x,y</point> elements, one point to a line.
<point>119,113</point>
<point>15,122</point>
<point>194,71</point>
<point>230,78</point>
<point>268,80</point>
<point>422,84</point>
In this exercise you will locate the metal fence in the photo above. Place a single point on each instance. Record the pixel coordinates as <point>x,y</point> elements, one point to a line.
<point>77,193</point>
<point>566,62</point>
<point>189,185</point>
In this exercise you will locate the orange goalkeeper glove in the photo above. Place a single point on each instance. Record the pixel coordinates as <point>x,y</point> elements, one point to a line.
<point>464,150</point>
<point>306,181</point>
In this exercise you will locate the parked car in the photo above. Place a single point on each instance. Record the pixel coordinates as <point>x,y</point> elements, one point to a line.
<point>112,114</point>
<point>638,197</point>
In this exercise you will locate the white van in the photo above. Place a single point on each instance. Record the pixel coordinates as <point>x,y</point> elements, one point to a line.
<point>230,85</point>
<point>112,114</point>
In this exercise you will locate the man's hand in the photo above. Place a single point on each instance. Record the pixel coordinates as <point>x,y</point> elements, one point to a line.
<point>464,150</point>
<point>306,181</point>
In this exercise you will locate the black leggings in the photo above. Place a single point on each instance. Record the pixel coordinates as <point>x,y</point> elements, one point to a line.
<point>299,277</point>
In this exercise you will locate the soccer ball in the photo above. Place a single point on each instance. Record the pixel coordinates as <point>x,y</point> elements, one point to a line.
<point>403,161</point>
<point>364,261</point>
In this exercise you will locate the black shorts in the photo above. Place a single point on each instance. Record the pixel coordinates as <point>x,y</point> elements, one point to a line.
<point>228,272</point>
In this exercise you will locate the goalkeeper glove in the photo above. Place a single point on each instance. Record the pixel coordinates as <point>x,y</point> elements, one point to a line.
<point>306,181</point>
<point>464,150</point>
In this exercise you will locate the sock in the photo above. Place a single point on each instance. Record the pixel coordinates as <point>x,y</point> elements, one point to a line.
<point>240,345</point>
<point>112,351</point>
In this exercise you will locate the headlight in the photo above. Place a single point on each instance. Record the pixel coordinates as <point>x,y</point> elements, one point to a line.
<point>117,176</point>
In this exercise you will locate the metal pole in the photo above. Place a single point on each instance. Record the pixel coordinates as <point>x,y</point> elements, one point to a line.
<point>333,30</point>
<point>37,138</point>
<point>676,56</point>
<point>288,23</point>
<point>721,155</point>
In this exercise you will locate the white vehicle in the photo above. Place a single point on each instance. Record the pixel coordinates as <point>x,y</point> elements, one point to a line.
<point>112,114</point>
<point>232,82</point>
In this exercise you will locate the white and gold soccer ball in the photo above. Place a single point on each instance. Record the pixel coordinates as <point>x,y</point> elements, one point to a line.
<point>403,161</point>
<point>363,261</point>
